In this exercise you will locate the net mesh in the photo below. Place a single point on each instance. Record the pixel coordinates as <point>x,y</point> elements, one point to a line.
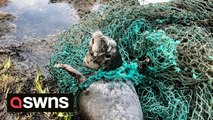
<point>177,38</point>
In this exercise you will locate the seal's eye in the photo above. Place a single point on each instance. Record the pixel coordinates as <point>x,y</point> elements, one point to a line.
<point>108,56</point>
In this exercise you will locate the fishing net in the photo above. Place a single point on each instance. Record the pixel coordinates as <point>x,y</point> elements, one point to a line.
<point>170,44</point>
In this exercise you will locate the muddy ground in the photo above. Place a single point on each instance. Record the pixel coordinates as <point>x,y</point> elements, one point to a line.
<point>26,57</point>
<point>19,63</point>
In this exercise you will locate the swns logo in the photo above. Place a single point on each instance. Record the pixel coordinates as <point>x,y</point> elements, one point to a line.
<point>40,103</point>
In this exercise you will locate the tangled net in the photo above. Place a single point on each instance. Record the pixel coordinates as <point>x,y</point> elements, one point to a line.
<point>177,37</point>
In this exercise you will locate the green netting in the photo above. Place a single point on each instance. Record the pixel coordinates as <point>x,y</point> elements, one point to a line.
<point>160,100</point>
<point>127,72</point>
<point>176,37</point>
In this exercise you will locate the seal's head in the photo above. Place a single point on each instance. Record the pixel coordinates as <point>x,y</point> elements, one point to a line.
<point>103,53</point>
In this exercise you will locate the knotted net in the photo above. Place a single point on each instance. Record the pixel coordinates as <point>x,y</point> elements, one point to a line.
<point>177,82</point>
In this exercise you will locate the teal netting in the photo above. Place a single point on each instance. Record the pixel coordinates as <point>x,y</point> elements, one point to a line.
<point>177,83</point>
<point>127,72</point>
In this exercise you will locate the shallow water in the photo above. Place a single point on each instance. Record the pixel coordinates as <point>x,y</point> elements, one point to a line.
<point>39,18</point>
